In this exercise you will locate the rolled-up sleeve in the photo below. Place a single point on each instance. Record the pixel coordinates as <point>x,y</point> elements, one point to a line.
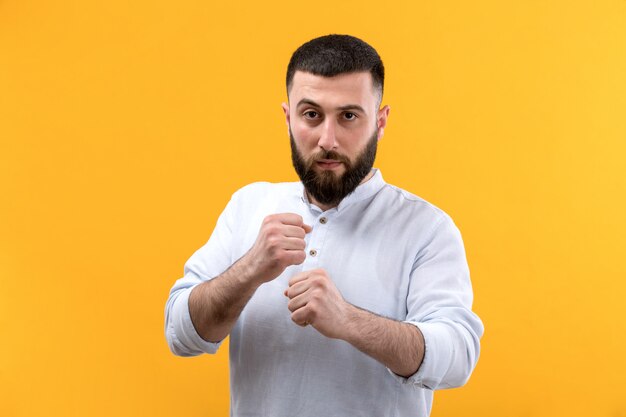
<point>206,263</point>
<point>181,335</point>
<point>439,303</point>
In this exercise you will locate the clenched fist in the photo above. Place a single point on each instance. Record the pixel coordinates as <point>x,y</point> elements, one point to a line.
<point>314,299</point>
<point>280,243</point>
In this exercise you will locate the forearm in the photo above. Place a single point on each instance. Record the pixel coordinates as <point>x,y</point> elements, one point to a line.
<point>215,305</point>
<point>397,345</point>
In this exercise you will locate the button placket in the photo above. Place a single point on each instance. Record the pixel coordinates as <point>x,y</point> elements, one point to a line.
<point>316,242</point>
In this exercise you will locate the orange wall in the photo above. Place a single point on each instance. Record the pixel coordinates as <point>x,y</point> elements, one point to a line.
<point>126,126</point>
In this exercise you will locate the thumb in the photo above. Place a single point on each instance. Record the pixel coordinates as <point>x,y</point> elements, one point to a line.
<point>306,228</point>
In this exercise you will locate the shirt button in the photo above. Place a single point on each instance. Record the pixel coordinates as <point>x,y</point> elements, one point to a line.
<point>323,220</point>
<point>312,252</point>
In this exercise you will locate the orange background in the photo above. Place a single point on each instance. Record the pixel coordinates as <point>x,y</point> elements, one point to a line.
<point>126,126</point>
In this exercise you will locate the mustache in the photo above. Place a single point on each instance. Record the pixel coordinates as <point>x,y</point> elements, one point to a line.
<point>333,155</point>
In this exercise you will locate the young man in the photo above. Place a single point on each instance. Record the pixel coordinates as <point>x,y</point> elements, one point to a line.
<point>342,295</point>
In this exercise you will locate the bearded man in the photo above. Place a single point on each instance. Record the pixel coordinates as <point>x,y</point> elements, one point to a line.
<point>342,295</point>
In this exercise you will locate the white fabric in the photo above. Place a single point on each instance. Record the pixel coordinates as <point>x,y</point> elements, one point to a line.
<point>387,251</point>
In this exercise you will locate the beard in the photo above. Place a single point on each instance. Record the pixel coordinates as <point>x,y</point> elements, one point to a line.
<point>327,187</point>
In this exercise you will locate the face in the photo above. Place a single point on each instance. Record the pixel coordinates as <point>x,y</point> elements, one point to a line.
<point>326,186</point>
<point>334,125</point>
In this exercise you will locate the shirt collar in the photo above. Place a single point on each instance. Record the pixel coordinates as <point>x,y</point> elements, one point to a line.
<point>362,192</point>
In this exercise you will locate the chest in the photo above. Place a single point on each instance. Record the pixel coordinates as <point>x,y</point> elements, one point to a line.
<point>369,257</point>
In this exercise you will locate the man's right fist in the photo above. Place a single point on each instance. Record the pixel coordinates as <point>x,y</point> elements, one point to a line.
<point>280,243</point>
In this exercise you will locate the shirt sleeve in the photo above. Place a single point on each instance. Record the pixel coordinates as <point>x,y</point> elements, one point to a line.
<point>439,303</point>
<point>205,264</point>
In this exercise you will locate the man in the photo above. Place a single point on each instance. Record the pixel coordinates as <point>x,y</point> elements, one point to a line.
<point>342,295</point>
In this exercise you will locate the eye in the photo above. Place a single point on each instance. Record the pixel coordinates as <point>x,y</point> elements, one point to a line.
<point>311,114</point>
<point>349,116</point>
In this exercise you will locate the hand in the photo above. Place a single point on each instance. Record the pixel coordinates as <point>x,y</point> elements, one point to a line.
<point>280,243</point>
<point>314,299</point>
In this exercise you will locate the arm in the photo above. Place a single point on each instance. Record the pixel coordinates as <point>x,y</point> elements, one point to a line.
<point>215,305</point>
<point>397,345</point>
<point>438,340</point>
<point>197,319</point>
<point>315,300</point>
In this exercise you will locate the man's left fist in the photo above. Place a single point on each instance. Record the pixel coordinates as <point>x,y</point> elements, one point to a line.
<point>314,299</point>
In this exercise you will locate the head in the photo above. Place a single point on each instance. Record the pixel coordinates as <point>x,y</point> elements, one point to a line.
<point>332,55</point>
<point>334,85</point>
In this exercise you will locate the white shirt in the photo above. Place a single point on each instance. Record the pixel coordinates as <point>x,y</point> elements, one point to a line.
<point>387,251</point>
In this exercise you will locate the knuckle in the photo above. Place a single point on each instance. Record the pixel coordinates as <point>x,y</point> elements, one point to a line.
<point>272,240</point>
<point>271,229</point>
<point>316,297</point>
<point>293,218</point>
<point>318,282</point>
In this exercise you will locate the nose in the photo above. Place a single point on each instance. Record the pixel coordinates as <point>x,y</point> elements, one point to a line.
<point>328,139</point>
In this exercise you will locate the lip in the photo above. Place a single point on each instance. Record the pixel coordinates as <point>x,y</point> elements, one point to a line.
<point>328,163</point>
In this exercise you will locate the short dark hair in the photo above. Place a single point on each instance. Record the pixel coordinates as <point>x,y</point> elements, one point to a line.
<point>332,55</point>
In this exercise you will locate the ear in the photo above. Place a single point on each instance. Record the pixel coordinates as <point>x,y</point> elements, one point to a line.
<point>285,107</point>
<point>381,121</point>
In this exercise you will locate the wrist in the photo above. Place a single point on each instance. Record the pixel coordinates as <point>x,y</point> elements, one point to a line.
<point>349,324</point>
<point>245,272</point>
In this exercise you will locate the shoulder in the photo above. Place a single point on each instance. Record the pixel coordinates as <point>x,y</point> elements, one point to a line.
<point>431,225</point>
<point>401,200</point>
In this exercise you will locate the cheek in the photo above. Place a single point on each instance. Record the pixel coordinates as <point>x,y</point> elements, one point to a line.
<point>304,137</point>
<point>356,141</point>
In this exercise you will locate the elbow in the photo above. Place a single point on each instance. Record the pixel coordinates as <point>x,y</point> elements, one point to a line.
<point>175,348</point>
<point>174,343</point>
<point>183,340</point>
<point>180,333</point>
<point>464,361</point>
<point>451,354</point>
<point>460,376</point>
<point>177,341</point>
<point>178,349</point>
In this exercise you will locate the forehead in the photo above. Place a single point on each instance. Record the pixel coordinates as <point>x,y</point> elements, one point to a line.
<point>342,89</point>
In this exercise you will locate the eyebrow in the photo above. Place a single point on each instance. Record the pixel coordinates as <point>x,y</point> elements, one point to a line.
<point>343,108</point>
